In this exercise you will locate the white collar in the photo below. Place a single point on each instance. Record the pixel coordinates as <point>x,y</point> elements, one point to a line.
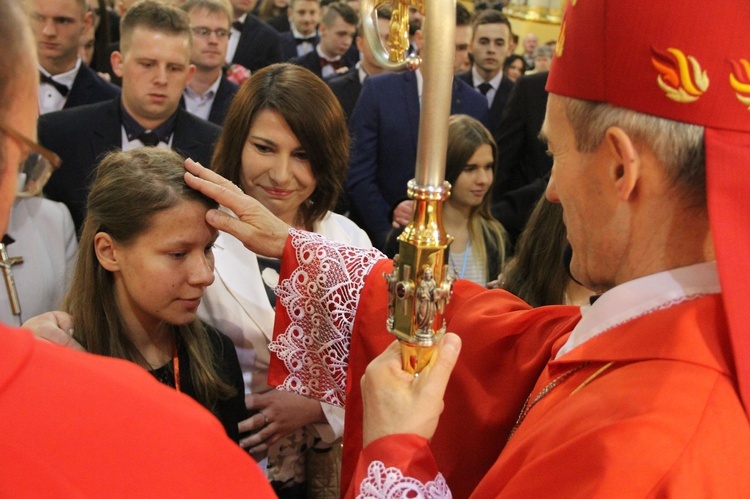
<point>208,94</point>
<point>296,34</point>
<point>323,56</point>
<point>478,80</point>
<point>642,296</point>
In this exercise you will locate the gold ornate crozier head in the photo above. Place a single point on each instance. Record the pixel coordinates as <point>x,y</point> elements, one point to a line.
<point>420,284</point>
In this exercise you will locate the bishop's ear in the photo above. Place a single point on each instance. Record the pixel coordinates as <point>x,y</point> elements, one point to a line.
<point>626,162</point>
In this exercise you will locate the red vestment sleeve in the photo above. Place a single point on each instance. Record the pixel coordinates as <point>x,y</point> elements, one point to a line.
<point>399,466</point>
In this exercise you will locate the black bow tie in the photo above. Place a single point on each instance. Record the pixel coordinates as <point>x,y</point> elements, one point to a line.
<point>63,89</point>
<point>238,26</point>
<point>300,41</point>
<point>149,139</point>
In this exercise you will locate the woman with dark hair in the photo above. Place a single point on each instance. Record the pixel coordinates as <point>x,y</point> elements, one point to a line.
<point>272,8</point>
<point>537,273</point>
<point>144,262</point>
<point>285,143</point>
<point>514,67</point>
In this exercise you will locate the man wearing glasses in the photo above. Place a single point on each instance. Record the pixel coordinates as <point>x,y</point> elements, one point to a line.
<point>75,424</point>
<point>209,92</point>
<point>154,63</point>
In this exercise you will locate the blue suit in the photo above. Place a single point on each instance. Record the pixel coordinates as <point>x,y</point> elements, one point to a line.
<point>384,127</point>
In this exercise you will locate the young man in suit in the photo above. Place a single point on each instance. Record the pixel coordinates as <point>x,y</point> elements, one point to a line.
<point>332,55</point>
<point>347,87</point>
<point>385,124</point>
<point>155,68</point>
<point>65,81</point>
<point>524,165</point>
<point>253,44</point>
<point>209,93</point>
<point>490,45</point>
<point>85,433</point>
<point>302,38</point>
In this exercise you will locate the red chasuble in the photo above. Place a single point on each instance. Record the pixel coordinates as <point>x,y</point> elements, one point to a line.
<point>647,408</point>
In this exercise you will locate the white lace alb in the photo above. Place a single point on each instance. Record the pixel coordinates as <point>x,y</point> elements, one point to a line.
<point>390,483</point>
<point>320,297</point>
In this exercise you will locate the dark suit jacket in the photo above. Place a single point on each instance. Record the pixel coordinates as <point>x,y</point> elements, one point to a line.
<point>259,45</point>
<point>499,102</point>
<point>280,23</point>
<point>89,88</point>
<point>346,88</point>
<point>311,61</point>
<point>289,45</point>
<point>384,128</point>
<point>523,163</point>
<point>223,99</point>
<point>82,135</point>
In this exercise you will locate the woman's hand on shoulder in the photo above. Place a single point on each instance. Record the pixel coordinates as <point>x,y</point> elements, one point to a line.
<point>55,327</point>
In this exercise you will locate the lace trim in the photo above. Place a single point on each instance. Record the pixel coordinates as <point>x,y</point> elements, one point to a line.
<point>382,482</point>
<point>320,297</point>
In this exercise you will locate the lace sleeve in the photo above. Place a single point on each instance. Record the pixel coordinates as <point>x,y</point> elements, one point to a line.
<point>320,297</point>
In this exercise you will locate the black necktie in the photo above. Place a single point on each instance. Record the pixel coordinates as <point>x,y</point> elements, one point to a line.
<point>238,26</point>
<point>43,78</point>
<point>149,138</point>
<point>300,41</point>
<point>484,88</point>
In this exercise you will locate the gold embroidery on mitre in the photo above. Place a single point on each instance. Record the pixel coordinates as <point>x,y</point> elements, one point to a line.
<point>680,76</point>
<point>739,79</point>
<point>561,39</point>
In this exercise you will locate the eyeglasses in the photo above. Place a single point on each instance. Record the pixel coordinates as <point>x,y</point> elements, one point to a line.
<point>36,165</point>
<point>204,32</point>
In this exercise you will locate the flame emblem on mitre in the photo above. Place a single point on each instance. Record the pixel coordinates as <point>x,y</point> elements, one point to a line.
<point>739,79</point>
<point>680,76</point>
<point>561,40</point>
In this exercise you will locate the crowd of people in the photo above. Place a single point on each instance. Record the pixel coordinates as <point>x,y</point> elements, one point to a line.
<point>215,182</point>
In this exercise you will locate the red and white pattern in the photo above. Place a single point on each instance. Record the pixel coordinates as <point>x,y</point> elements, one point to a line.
<point>321,297</point>
<point>382,483</point>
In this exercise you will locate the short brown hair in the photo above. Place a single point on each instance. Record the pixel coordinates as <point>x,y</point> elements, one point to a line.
<point>313,114</point>
<point>153,16</point>
<point>212,6</point>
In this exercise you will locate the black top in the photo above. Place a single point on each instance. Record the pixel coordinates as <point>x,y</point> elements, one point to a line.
<point>229,412</point>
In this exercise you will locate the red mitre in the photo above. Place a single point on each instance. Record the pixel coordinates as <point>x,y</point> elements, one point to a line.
<point>688,61</point>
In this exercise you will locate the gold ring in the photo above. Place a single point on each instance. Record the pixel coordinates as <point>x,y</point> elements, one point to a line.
<point>265,418</point>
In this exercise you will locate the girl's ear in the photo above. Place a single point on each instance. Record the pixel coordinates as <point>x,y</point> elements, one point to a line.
<point>106,251</point>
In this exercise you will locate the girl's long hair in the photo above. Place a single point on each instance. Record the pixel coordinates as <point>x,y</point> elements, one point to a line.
<point>130,187</point>
<point>465,135</point>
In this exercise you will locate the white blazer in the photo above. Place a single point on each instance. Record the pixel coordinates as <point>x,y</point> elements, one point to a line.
<point>237,305</point>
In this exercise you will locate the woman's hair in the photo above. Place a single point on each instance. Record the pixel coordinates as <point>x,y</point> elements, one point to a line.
<point>313,114</point>
<point>465,135</point>
<point>536,272</point>
<point>129,189</point>
<point>267,9</point>
<point>513,58</point>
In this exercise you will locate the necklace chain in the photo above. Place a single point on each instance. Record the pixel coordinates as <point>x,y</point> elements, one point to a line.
<point>550,386</point>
